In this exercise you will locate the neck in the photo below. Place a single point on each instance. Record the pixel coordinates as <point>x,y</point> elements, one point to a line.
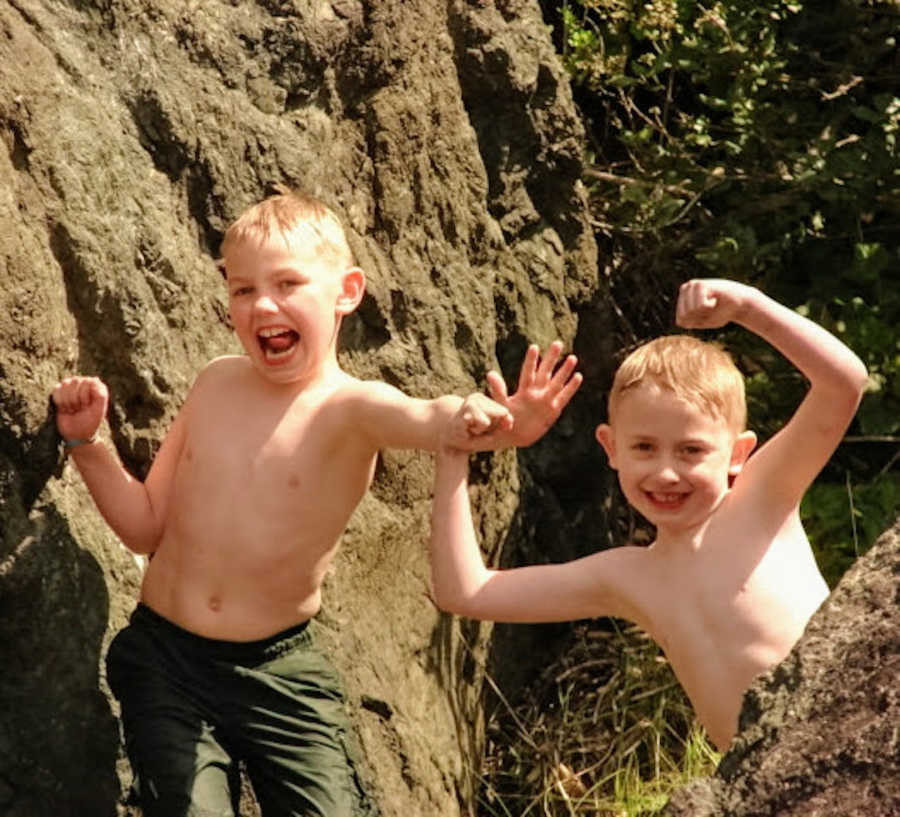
<point>325,376</point>
<point>685,539</point>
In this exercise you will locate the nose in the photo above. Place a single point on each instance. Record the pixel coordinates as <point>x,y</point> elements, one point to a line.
<point>666,474</point>
<point>265,303</point>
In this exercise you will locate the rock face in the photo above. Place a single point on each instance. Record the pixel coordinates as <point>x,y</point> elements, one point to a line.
<point>820,733</point>
<point>132,132</point>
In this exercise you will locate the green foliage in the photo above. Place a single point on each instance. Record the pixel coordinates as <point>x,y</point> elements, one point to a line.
<point>759,126</point>
<point>842,521</point>
<point>758,140</point>
<point>606,731</point>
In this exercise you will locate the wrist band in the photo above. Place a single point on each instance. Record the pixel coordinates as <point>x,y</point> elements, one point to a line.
<point>70,444</point>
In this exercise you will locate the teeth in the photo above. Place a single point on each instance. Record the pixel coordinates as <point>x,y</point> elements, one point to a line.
<point>666,498</point>
<point>272,332</point>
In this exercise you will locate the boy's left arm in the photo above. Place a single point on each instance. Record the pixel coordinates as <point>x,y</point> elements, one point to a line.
<point>392,419</point>
<point>787,464</point>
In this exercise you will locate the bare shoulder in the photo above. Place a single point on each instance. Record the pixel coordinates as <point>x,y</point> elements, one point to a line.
<point>215,377</point>
<point>353,389</point>
<point>219,372</point>
<point>627,579</point>
<point>751,525</point>
<point>618,567</point>
<point>224,366</point>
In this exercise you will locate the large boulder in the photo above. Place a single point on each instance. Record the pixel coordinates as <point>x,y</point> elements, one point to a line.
<point>820,733</point>
<point>133,131</point>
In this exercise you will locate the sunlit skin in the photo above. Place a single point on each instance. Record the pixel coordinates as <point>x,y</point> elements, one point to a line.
<point>285,303</point>
<point>245,502</point>
<point>673,461</point>
<point>730,581</point>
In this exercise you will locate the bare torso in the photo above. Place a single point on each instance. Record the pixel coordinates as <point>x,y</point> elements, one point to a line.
<point>263,486</point>
<point>726,607</point>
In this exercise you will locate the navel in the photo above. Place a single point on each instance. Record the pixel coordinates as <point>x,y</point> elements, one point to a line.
<point>215,603</point>
<point>293,481</point>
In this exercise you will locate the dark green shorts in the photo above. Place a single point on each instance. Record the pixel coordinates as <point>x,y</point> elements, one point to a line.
<point>193,708</point>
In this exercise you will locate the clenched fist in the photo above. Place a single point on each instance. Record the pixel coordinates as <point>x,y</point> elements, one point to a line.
<point>708,303</point>
<point>81,404</point>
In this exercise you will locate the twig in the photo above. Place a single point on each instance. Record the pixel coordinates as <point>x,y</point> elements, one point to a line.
<point>841,89</point>
<point>603,176</point>
<point>852,515</point>
<point>889,465</point>
<point>871,438</point>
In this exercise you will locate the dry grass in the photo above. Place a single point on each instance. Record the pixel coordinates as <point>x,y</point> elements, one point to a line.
<point>604,732</point>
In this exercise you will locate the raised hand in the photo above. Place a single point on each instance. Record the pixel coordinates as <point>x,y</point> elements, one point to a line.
<point>81,404</point>
<point>708,303</point>
<point>543,391</point>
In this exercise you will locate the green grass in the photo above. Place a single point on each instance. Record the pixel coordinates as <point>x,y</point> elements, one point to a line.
<point>604,732</point>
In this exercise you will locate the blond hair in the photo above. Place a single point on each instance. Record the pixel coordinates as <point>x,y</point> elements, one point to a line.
<point>696,371</point>
<point>299,219</point>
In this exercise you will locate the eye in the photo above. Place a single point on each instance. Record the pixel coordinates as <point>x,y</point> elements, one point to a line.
<point>243,290</point>
<point>693,450</point>
<point>288,284</point>
<point>642,446</point>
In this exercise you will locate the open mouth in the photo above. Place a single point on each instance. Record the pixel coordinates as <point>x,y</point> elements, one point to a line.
<point>277,343</point>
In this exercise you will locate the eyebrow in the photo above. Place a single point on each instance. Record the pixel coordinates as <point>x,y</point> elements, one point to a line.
<point>271,274</point>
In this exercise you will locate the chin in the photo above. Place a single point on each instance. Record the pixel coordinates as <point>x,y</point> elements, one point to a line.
<point>281,374</point>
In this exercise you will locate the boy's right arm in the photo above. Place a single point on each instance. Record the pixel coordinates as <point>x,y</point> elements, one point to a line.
<point>135,510</point>
<point>787,464</point>
<point>596,585</point>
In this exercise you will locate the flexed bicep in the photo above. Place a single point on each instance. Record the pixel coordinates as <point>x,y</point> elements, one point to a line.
<point>788,463</point>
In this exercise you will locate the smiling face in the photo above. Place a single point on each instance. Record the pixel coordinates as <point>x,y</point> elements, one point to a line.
<point>286,299</point>
<point>673,459</point>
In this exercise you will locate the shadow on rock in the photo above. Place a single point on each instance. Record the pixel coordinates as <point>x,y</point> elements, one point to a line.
<point>58,739</point>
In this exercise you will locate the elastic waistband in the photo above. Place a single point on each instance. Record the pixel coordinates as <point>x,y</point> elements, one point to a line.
<point>239,652</point>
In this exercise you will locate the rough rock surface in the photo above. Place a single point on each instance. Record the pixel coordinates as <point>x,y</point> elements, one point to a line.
<point>820,733</point>
<point>132,132</point>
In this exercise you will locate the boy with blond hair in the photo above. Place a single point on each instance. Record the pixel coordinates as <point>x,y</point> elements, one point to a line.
<point>242,512</point>
<point>730,581</point>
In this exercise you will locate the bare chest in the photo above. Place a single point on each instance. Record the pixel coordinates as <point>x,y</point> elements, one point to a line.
<point>286,477</point>
<point>734,607</point>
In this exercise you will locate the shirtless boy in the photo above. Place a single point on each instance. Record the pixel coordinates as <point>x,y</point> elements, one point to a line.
<point>729,583</point>
<point>242,511</point>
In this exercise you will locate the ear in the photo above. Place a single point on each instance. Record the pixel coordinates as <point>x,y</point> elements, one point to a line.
<point>744,444</point>
<point>604,435</point>
<point>353,287</point>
